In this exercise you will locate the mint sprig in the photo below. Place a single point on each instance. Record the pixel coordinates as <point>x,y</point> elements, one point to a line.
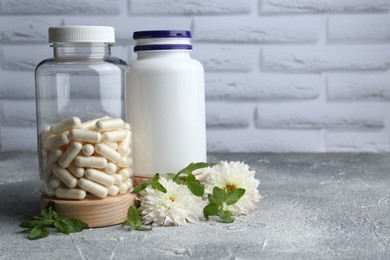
<point>185,176</point>
<point>218,199</point>
<point>194,185</point>
<point>156,185</point>
<point>192,167</point>
<point>48,218</point>
<point>38,232</point>
<point>134,220</point>
<point>153,182</point>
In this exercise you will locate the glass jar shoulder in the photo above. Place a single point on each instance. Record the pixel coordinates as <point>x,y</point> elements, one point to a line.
<point>70,65</point>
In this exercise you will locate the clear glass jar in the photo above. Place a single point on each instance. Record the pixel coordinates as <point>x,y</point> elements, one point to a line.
<point>83,142</point>
<point>165,103</point>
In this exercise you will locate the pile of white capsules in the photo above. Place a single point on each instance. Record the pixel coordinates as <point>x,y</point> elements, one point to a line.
<point>93,156</point>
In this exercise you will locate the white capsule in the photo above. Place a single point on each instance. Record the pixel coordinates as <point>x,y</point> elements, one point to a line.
<point>64,193</point>
<point>52,158</point>
<point>47,189</point>
<point>124,150</point>
<point>109,124</point>
<point>111,168</point>
<point>88,149</point>
<point>129,173</point>
<point>64,175</point>
<point>43,163</point>
<point>54,155</point>
<point>114,136</point>
<point>123,188</point>
<point>92,187</point>
<point>71,152</point>
<point>91,161</point>
<point>44,136</point>
<point>57,141</point>
<point>125,161</point>
<point>129,183</point>
<point>76,171</point>
<point>125,173</point>
<point>117,179</point>
<point>124,146</point>
<point>44,153</point>
<point>65,125</point>
<point>108,152</point>
<point>113,146</point>
<point>99,177</point>
<point>54,182</point>
<point>113,190</point>
<point>90,125</point>
<point>89,136</point>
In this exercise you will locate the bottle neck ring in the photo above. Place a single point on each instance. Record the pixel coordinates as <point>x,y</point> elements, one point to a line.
<point>161,47</point>
<point>81,50</point>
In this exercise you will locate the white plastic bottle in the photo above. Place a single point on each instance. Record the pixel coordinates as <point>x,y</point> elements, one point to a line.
<point>165,103</point>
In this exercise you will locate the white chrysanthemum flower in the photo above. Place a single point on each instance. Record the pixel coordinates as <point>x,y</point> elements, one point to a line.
<point>230,176</point>
<point>174,207</point>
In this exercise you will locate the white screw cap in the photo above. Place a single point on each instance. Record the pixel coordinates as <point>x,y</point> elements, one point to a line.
<point>82,34</point>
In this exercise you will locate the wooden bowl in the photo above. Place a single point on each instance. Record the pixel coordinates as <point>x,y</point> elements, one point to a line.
<point>94,211</point>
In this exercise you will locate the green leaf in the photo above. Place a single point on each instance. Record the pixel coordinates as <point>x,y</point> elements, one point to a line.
<point>50,211</point>
<point>134,220</point>
<point>152,182</point>
<point>52,214</point>
<point>171,175</point>
<point>213,200</point>
<point>194,166</point>
<point>156,185</point>
<point>179,180</point>
<point>210,210</point>
<point>140,187</point>
<point>234,195</point>
<point>45,212</point>
<point>219,195</point>
<point>50,218</point>
<point>142,228</point>
<point>75,225</point>
<point>38,232</point>
<point>62,226</point>
<point>31,223</point>
<point>133,216</point>
<point>194,185</point>
<point>189,169</point>
<point>226,216</point>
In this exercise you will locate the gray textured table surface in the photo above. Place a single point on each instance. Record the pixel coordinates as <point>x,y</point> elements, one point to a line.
<point>316,206</point>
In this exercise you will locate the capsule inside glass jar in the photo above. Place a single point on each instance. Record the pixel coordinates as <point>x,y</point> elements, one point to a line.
<point>86,155</point>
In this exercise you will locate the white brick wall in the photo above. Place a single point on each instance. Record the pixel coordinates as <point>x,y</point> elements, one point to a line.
<point>316,6</point>
<point>281,75</point>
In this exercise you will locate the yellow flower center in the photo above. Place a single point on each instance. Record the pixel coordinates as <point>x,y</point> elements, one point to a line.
<point>171,198</point>
<point>230,187</point>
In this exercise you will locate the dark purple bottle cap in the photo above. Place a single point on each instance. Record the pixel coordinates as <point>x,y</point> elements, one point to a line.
<point>162,34</point>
